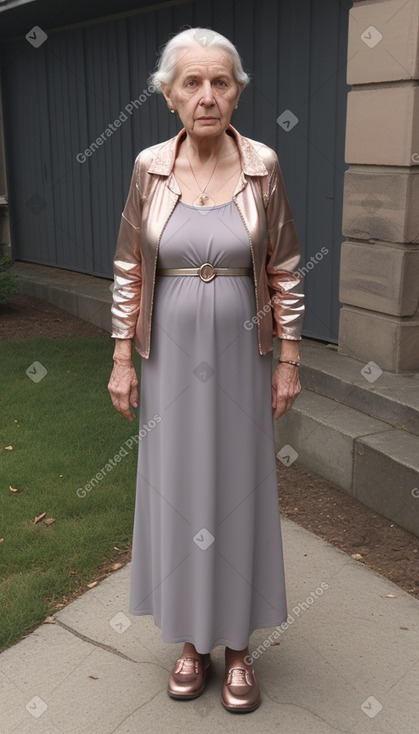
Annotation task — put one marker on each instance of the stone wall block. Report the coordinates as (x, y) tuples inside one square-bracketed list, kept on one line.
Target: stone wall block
[(383, 125), (391, 343), (380, 277), (381, 204), (383, 41)]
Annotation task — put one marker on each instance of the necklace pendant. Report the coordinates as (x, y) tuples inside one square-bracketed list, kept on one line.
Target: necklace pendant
[(203, 198)]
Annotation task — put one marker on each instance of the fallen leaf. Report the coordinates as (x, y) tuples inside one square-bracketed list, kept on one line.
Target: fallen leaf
[(390, 596), (90, 586), (59, 605), (49, 521), (94, 677), (1, 540), (275, 643), (39, 517), (404, 628), (13, 489), (357, 556), (49, 620), (8, 448), (116, 566)]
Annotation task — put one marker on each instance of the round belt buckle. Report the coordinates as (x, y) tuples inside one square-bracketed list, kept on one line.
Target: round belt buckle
[(206, 272)]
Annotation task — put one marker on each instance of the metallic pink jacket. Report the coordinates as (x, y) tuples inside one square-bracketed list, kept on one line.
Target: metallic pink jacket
[(262, 202)]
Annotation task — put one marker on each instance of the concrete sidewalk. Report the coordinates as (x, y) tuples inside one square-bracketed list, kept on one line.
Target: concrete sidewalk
[(348, 662)]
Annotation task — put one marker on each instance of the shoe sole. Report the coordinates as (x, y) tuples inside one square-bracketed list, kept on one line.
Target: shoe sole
[(242, 709)]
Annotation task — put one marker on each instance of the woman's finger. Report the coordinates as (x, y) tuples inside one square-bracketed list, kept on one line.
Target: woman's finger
[(273, 391), (134, 396)]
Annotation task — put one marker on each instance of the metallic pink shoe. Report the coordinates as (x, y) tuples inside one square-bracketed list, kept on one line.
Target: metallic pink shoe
[(189, 676), (240, 690)]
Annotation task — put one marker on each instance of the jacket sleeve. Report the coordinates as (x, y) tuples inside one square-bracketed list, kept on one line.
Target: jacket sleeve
[(283, 256), (127, 264)]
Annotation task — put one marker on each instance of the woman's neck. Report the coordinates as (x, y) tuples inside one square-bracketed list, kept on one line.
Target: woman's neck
[(205, 149)]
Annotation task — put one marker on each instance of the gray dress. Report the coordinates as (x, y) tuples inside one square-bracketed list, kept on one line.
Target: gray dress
[(207, 557)]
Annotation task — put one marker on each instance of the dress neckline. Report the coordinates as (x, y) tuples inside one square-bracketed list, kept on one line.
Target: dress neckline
[(212, 206)]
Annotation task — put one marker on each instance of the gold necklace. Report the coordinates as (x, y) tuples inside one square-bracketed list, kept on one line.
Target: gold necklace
[(203, 196)]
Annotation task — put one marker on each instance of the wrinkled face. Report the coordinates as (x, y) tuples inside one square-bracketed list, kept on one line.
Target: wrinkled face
[(203, 91)]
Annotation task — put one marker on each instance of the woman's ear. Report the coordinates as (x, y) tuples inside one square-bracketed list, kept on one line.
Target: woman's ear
[(241, 87), (166, 93)]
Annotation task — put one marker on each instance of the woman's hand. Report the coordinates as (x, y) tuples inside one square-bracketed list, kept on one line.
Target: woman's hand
[(123, 387), (285, 388)]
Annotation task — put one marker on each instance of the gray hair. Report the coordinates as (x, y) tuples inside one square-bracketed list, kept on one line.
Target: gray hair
[(189, 38)]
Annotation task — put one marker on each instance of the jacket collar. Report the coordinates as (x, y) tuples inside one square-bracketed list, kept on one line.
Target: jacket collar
[(252, 163)]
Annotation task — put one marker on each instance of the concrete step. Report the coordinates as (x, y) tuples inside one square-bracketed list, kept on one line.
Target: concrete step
[(85, 296), (372, 461), (392, 398)]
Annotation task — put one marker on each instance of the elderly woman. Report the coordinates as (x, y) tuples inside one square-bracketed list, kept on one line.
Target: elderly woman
[(204, 278)]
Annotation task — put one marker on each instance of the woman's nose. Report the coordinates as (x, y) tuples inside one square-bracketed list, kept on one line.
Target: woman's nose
[(207, 96)]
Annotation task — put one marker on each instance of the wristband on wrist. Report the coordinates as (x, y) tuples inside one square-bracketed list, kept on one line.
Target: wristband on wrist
[(289, 361)]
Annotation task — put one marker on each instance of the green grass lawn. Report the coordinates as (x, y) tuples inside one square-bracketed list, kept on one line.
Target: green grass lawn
[(63, 430)]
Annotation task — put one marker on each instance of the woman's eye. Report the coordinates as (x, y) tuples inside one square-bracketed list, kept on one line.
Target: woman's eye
[(219, 83)]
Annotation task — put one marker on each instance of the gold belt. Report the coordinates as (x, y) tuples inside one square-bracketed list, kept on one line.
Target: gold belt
[(206, 271)]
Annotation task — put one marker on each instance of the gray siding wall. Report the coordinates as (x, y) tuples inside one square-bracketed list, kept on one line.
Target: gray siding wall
[(58, 98)]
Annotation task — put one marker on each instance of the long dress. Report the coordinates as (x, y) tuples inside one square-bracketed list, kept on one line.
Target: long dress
[(207, 559)]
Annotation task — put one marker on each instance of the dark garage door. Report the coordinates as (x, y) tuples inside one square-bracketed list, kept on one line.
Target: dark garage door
[(60, 96)]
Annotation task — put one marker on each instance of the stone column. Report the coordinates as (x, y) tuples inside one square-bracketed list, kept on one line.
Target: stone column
[(379, 278)]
